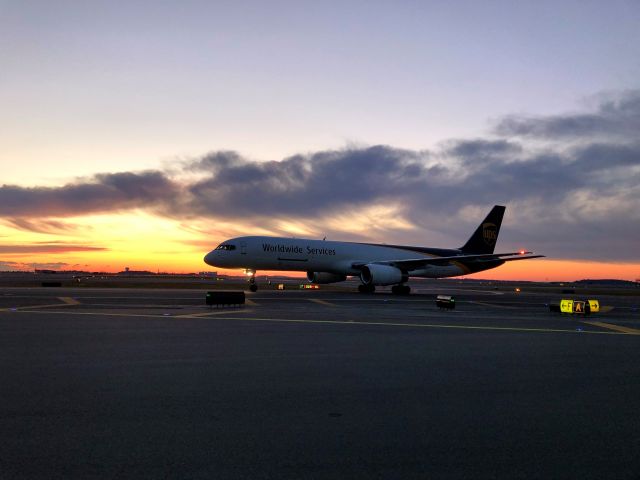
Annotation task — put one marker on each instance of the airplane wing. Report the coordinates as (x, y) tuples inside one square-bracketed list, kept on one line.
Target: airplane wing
[(417, 263)]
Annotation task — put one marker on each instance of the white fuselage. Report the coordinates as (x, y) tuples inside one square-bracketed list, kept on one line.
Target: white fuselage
[(304, 255)]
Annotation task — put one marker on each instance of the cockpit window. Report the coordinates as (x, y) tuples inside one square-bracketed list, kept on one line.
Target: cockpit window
[(226, 246)]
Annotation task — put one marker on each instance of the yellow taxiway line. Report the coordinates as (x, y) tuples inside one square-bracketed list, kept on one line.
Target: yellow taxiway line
[(617, 328), (348, 322), (322, 302), (69, 300)]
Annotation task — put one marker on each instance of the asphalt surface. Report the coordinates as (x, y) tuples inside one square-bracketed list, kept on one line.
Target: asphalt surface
[(125, 383)]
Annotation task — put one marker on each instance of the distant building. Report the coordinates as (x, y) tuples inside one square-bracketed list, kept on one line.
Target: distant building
[(211, 275), (127, 271)]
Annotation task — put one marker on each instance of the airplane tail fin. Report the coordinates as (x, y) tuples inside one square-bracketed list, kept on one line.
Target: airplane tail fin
[(485, 237)]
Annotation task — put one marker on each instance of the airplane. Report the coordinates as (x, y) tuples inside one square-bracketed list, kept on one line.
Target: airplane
[(328, 261)]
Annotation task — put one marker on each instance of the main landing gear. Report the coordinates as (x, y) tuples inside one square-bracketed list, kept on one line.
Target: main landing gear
[(401, 289), (396, 289)]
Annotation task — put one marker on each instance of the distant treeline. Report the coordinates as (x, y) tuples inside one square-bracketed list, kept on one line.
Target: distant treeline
[(608, 282)]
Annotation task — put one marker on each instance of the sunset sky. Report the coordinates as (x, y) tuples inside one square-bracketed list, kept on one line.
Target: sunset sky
[(141, 134)]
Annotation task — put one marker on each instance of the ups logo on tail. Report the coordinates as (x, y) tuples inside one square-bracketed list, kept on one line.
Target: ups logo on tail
[(489, 233)]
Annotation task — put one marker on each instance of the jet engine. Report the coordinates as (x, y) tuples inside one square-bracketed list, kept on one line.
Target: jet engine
[(374, 274), (325, 277)]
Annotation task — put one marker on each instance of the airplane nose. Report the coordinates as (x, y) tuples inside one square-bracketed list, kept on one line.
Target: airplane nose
[(209, 257)]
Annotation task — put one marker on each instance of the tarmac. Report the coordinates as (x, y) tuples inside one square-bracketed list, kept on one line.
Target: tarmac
[(152, 383)]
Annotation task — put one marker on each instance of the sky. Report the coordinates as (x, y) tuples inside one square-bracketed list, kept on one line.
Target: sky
[(142, 134)]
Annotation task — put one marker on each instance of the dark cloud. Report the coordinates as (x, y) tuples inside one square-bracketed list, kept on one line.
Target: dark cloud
[(215, 161), (306, 185), (619, 117), (42, 225), (481, 152), (102, 193), (48, 248), (574, 200)]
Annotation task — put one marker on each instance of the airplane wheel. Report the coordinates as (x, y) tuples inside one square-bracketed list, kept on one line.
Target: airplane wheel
[(401, 290), (253, 287)]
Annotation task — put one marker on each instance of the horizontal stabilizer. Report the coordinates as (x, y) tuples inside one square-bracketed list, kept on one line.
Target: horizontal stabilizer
[(523, 258)]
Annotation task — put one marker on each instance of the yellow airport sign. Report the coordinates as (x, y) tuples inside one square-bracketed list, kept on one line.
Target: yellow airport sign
[(579, 306), (566, 306)]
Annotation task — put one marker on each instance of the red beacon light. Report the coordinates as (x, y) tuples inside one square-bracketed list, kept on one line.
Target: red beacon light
[(522, 252)]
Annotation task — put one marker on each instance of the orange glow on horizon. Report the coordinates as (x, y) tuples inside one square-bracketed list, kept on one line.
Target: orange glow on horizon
[(551, 270), (141, 241)]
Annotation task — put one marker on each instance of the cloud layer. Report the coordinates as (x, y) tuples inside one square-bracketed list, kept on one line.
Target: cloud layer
[(615, 118), (571, 182), (49, 248), (102, 193)]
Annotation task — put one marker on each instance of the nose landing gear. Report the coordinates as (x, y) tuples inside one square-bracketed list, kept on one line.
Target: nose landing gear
[(252, 280)]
